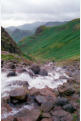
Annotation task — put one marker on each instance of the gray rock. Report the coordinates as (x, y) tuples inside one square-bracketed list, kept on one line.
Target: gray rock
[(61, 115), (43, 72), (35, 68), (11, 74), (61, 101), (18, 95), (69, 108), (46, 107), (40, 99), (28, 115)]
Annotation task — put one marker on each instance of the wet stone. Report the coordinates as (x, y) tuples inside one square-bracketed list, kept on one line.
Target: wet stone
[(47, 119), (40, 99), (10, 74), (43, 72), (18, 95), (46, 107), (66, 91), (69, 108), (28, 115), (10, 65), (61, 115), (35, 68), (61, 101), (46, 115)]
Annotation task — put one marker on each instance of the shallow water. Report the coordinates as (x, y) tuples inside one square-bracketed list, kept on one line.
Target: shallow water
[(52, 80)]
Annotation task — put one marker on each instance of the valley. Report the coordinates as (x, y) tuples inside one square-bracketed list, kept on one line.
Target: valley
[(41, 74), (54, 43)]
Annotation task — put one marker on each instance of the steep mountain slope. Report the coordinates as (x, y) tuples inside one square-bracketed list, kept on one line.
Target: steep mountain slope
[(7, 43), (18, 34), (54, 43)]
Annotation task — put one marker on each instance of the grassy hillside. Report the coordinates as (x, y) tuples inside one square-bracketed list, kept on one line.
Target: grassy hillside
[(54, 43)]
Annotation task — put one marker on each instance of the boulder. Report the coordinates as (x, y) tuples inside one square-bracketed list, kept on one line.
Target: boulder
[(48, 106), (12, 66), (35, 68), (61, 101), (44, 92), (18, 95), (47, 119), (43, 72), (28, 115), (61, 115), (10, 74), (40, 99), (69, 108), (46, 115), (67, 90)]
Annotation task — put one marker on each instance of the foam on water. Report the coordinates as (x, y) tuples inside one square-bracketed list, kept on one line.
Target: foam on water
[(52, 81), (39, 82)]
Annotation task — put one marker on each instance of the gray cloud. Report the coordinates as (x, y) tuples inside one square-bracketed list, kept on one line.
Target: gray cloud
[(38, 10)]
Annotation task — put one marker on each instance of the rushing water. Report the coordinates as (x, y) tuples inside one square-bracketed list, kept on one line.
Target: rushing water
[(52, 81)]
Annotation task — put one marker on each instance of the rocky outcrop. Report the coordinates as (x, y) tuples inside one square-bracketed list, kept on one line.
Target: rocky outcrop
[(7, 43)]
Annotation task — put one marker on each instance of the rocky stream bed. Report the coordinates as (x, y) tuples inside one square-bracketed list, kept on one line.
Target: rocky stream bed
[(40, 93)]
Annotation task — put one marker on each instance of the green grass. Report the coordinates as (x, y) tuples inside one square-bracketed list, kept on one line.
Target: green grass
[(9, 57), (54, 43), (75, 117)]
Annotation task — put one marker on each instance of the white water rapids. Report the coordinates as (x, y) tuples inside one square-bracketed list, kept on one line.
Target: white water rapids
[(52, 81)]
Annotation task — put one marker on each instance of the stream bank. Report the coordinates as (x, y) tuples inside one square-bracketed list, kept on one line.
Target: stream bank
[(52, 95)]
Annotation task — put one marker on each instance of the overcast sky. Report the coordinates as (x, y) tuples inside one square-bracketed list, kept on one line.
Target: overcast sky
[(18, 12)]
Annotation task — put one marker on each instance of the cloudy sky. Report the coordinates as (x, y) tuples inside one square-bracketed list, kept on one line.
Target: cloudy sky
[(18, 12)]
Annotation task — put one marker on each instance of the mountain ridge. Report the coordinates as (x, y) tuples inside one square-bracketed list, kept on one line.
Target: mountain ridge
[(54, 42)]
